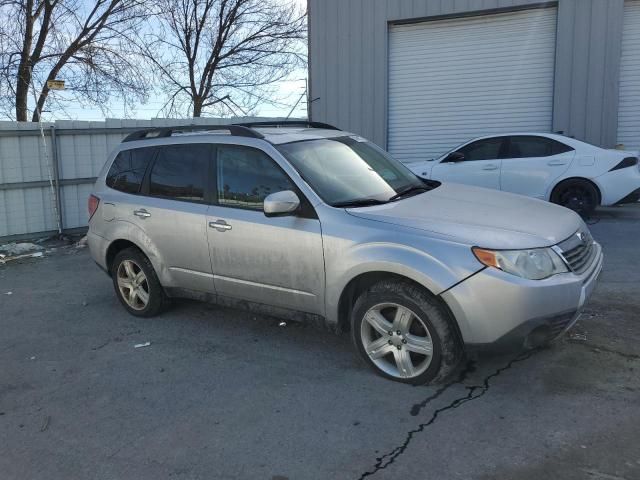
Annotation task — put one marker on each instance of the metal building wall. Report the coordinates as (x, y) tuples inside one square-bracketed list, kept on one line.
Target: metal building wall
[(348, 60), (26, 201)]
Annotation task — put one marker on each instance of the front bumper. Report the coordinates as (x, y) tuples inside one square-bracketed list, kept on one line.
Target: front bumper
[(497, 310)]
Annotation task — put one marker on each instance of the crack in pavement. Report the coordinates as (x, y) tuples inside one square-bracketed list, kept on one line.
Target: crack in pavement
[(102, 345), (628, 356), (605, 476), (473, 393), (415, 410)]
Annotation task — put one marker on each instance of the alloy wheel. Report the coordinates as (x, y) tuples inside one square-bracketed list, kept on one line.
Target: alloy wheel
[(577, 199), (396, 340), (133, 284)]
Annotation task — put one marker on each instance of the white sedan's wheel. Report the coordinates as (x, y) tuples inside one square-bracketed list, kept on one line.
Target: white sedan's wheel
[(576, 194)]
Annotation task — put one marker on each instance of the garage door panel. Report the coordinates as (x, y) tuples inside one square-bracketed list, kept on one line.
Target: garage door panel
[(451, 80), (490, 81), (629, 104), (470, 99)]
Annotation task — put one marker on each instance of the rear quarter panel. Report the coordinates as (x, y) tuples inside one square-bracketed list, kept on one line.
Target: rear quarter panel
[(589, 165)]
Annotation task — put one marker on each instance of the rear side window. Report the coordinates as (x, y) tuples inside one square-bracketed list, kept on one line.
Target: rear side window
[(246, 176), (180, 172), (488, 149), (529, 147), (559, 147), (128, 168)]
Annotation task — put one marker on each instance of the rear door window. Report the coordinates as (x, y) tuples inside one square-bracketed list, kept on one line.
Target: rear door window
[(530, 147), (128, 169), (180, 172)]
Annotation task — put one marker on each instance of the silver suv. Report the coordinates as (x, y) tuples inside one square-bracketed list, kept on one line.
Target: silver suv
[(311, 223)]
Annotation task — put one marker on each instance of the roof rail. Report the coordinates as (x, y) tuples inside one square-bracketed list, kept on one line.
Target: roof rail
[(289, 123), (164, 132)]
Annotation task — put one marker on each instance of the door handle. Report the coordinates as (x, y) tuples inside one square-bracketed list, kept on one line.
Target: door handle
[(490, 167), (556, 163), (142, 213), (220, 225)]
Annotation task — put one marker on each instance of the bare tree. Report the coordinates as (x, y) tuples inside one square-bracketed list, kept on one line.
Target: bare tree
[(224, 55), (86, 42)]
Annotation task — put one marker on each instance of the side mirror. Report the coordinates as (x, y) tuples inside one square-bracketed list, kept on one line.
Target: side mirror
[(281, 203), (454, 157)]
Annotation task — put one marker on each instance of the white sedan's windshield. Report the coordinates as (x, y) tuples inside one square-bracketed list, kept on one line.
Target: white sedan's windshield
[(348, 170)]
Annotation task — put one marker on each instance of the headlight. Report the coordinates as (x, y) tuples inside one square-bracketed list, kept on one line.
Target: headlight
[(535, 264)]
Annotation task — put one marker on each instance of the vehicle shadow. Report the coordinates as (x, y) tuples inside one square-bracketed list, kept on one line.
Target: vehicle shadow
[(629, 212)]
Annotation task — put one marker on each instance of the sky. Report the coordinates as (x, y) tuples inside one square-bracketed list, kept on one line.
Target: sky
[(288, 92)]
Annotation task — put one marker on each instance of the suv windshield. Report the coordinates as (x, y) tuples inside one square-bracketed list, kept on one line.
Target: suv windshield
[(349, 171)]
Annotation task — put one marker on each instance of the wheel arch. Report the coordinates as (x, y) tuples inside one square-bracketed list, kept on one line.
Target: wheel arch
[(559, 183), (364, 281), (117, 246), (125, 234)]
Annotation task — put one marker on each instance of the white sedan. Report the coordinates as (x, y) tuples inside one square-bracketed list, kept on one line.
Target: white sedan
[(550, 167)]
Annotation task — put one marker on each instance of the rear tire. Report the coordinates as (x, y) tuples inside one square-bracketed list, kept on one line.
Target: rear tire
[(577, 194), (405, 334), (137, 285)]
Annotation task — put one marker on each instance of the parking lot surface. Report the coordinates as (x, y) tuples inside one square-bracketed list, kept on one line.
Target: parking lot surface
[(223, 394)]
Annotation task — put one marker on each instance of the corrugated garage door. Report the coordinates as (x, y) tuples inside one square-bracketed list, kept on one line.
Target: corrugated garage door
[(452, 80), (629, 111)]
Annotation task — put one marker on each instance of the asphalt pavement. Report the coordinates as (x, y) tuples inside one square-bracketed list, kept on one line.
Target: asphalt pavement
[(223, 394)]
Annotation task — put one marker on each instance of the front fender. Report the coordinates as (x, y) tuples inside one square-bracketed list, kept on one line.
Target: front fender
[(437, 268)]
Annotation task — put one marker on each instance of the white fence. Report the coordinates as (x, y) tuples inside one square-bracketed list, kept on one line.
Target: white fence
[(76, 152)]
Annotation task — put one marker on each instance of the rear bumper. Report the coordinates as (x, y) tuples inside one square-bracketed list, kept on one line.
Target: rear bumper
[(499, 311), (98, 248), (616, 186), (631, 198)]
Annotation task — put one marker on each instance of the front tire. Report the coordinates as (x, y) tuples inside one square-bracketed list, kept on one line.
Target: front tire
[(136, 284), (577, 194), (405, 334)]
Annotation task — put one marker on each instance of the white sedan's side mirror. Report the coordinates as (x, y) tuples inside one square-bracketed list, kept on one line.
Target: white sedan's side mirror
[(281, 203)]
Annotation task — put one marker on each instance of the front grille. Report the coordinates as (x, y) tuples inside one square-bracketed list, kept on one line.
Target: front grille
[(578, 250)]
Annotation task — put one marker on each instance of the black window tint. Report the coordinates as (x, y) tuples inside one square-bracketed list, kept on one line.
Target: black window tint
[(528, 147), (127, 171), (180, 172), (488, 149), (246, 176), (559, 147)]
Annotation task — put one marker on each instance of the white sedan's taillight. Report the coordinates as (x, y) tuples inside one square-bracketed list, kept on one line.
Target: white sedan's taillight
[(626, 163)]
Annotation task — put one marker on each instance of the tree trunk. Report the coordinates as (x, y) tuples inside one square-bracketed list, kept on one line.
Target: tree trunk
[(197, 108), (24, 67), (40, 105), (22, 95), (42, 98)]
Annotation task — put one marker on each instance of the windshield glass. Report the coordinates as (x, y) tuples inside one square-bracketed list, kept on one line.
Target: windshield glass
[(350, 170)]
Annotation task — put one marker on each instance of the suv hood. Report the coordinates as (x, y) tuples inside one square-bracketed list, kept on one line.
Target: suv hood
[(479, 216)]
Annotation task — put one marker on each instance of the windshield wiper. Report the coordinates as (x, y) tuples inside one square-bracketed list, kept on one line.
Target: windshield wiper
[(406, 191), (360, 202)]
